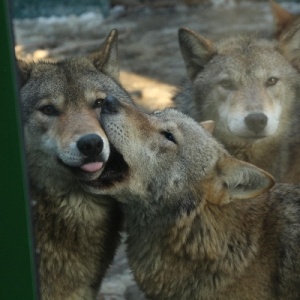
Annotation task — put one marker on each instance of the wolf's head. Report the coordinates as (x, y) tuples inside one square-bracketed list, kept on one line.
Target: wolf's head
[(172, 160), (61, 105), (244, 83)]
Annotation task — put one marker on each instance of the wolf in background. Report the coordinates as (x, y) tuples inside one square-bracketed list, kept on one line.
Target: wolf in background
[(284, 20), (286, 27), (200, 223), (250, 89), (76, 233)]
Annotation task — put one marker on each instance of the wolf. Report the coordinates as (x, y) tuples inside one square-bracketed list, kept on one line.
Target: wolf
[(284, 20), (249, 88), (76, 233), (200, 223), (286, 28)]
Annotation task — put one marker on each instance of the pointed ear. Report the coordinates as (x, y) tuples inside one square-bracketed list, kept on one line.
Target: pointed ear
[(196, 51), (244, 180), (106, 59), (289, 45), (24, 71), (208, 125), (282, 18)]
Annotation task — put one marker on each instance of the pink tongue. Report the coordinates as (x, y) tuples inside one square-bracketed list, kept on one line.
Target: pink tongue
[(92, 167)]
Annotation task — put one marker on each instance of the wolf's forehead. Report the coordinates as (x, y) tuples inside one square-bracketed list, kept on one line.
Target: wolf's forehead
[(65, 79), (184, 123), (244, 43), (170, 115), (256, 64)]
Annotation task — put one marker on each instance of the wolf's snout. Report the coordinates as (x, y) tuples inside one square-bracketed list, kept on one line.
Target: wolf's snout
[(90, 145), (110, 105), (256, 122)]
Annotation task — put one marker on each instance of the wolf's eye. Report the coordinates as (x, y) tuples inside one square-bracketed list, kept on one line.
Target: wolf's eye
[(271, 81), (169, 136), (49, 110), (227, 84), (98, 103)]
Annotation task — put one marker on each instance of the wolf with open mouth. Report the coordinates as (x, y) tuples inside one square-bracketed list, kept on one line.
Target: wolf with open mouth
[(201, 224)]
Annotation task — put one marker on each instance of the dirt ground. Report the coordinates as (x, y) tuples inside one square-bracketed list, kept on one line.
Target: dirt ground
[(151, 63)]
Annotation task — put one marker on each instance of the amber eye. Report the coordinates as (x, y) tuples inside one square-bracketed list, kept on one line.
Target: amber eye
[(98, 103), (49, 110), (271, 81)]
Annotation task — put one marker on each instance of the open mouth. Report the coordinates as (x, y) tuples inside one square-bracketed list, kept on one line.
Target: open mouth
[(115, 170)]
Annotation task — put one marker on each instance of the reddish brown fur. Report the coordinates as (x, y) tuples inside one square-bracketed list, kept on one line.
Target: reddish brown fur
[(201, 225)]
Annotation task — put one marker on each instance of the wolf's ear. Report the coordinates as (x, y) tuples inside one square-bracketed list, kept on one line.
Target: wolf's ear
[(243, 180), (289, 45), (282, 18), (208, 125), (106, 59), (196, 51), (24, 70)]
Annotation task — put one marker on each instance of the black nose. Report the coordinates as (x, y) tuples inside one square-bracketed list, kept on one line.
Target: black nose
[(256, 122), (90, 145), (110, 105)]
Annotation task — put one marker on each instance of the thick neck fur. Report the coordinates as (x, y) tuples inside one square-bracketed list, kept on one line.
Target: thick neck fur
[(209, 242), (53, 183), (76, 237), (255, 152)]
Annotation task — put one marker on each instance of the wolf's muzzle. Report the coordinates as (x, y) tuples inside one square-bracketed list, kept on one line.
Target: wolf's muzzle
[(256, 122), (91, 145)]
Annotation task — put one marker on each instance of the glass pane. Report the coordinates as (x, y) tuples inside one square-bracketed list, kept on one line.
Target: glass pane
[(18, 278)]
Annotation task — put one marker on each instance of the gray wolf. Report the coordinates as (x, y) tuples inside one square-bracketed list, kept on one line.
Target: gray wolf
[(200, 223), (249, 88), (76, 233), (284, 20), (286, 27)]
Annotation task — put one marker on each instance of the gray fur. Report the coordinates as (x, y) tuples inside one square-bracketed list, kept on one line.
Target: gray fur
[(201, 225), (76, 233), (240, 76)]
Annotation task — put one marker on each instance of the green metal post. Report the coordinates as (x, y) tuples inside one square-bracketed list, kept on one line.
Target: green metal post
[(17, 267)]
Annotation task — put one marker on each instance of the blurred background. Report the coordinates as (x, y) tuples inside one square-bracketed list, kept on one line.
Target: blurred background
[(150, 59), (148, 46)]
